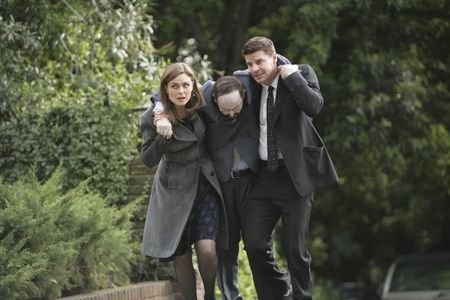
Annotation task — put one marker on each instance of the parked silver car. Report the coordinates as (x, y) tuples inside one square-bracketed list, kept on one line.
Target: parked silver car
[(418, 277)]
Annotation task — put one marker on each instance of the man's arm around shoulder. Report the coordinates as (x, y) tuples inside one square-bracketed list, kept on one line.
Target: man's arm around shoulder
[(304, 87)]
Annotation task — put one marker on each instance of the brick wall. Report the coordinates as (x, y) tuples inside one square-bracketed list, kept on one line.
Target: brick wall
[(151, 290), (154, 290)]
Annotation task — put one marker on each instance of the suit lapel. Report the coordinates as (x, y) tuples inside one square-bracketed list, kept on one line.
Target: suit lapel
[(199, 127), (256, 101), (282, 94), (182, 133)]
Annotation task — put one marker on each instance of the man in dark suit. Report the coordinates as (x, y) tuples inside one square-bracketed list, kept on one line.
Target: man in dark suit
[(293, 164), (233, 142), (232, 138)]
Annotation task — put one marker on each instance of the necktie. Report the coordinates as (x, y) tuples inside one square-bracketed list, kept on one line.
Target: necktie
[(272, 150)]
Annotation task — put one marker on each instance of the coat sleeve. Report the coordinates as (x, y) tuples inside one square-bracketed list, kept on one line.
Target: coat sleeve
[(154, 145), (304, 87)]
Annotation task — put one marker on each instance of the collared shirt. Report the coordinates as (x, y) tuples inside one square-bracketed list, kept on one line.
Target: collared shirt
[(241, 164), (263, 119)]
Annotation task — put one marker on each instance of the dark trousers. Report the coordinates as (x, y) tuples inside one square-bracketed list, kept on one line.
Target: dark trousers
[(234, 193), (273, 196)]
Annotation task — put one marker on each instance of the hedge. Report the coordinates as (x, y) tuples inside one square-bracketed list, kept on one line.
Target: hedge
[(94, 142), (54, 243)]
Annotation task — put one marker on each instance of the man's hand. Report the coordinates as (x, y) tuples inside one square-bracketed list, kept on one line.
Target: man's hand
[(164, 127), (286, 70)]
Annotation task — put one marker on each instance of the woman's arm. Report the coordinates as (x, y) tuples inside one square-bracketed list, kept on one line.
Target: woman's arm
[(154, 145)]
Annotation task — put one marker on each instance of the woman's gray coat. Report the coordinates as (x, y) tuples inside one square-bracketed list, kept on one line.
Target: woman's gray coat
[(175, 183)]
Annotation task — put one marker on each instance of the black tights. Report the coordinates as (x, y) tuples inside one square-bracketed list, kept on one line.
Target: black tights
[(207, 264)]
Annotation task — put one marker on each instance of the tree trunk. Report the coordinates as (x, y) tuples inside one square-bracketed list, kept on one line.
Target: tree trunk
[(234, 25)]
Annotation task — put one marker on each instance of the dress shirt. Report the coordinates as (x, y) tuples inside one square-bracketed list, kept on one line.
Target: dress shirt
[(263, 119)]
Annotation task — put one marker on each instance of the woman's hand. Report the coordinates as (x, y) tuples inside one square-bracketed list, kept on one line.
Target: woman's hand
[(163, 126)]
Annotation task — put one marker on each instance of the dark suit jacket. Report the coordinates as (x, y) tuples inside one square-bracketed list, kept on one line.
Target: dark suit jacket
[(298, 100), (223, 135)]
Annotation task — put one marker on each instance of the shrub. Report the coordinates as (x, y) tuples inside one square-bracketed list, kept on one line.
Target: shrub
[(90, 141), (54, 243)]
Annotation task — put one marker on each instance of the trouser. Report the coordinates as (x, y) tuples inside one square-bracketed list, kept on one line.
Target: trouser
[(273, 196), (234, 193)]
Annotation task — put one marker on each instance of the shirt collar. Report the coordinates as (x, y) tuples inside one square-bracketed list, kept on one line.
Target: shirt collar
[(274, 84)]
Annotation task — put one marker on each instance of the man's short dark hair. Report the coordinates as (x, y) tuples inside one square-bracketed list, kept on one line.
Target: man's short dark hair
[(258, 43), (227, 84)]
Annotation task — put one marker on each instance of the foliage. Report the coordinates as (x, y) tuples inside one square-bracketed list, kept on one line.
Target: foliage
[(246, 285), (317, 25), (70, 74), (97, 53), (189, 54), (53, 242), (325, 290), (90, 142), (383, 93), (177, 26), (383, 71)]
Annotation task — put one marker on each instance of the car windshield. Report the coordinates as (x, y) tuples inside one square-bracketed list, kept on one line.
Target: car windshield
[(422, 274)]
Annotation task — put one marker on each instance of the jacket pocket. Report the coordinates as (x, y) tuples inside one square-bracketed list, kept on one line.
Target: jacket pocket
[(170, 175), (315, 159)]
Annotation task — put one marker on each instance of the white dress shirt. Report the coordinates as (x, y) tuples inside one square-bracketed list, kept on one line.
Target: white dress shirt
[(263, 119)]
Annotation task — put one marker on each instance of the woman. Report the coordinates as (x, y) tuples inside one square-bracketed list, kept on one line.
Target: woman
[(185, 203)]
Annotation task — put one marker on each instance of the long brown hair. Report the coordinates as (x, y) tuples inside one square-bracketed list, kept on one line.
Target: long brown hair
[(195, 102)]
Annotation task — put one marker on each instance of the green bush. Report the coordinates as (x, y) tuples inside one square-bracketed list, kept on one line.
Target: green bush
[(89, 141), (54, 243)]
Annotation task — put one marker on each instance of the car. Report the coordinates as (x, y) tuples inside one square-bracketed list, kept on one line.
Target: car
[(418, 277)]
